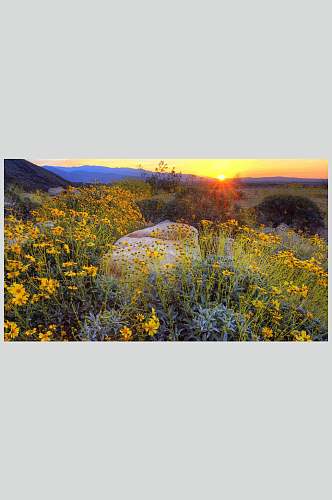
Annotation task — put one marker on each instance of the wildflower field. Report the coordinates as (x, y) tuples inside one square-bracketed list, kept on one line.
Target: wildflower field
[(270, 287)]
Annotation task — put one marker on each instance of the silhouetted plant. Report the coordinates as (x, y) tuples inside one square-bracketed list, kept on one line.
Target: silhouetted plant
[(164, 178)]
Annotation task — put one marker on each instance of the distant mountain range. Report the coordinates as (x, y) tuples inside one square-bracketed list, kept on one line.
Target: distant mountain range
[(96, 173), (92, 173), (29, 176)]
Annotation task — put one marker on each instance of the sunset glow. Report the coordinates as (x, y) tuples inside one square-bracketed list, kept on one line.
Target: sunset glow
[(316, 168), (221, 177)]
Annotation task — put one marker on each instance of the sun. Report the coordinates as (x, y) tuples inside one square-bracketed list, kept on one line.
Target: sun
[(221, 177)]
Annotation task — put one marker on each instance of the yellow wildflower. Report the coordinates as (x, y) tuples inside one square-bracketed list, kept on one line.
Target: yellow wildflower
[(52, 251), (151, 326), (49, 285), (11, 330), (30, 257), (126, 333), (267, 332), (20, 296), (31, 332), (58, 230), (44, 337), (70, 274), (16, 248), (258, 304), (13, 274), (227, 272), (301, 336), (90, 270)]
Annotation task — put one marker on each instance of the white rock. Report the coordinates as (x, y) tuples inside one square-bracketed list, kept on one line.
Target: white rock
[(282, 228), (155, 248), (48, 224), (55, 191)]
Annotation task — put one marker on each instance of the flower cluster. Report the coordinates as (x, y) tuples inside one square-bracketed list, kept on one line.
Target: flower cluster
[(55, 254)]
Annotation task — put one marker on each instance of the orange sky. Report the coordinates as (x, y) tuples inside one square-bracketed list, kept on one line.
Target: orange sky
[(211, 167)]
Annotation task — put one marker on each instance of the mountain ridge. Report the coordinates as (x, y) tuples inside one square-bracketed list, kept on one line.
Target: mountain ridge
[(92, 173), (30, 176)]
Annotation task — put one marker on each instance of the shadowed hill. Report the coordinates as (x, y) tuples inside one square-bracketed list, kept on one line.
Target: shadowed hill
[(30, 177)]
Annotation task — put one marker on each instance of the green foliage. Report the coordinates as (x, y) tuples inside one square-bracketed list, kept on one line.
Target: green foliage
[(245, 216), (193, 202), (295, 211), (214, 300), (105, 324), (138, 187), (19, 202), (201, 201)]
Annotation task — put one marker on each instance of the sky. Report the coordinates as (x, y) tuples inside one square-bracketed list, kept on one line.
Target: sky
[(210, 167)]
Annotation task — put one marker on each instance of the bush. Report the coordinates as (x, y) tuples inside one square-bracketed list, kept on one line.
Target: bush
[(138, 187), (195, 203), (164, 179), (19, 202), (153, 209), (192, 203), (295, 211)]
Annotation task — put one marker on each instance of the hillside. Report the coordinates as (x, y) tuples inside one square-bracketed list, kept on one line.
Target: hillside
[(29, 176)]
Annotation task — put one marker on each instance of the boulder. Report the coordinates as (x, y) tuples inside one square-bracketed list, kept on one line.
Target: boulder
[(55, 191), (48, 224), (157, 248), (282, 228), (268, 230)]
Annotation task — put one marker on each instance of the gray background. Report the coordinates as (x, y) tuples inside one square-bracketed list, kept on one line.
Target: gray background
[(165, 79)]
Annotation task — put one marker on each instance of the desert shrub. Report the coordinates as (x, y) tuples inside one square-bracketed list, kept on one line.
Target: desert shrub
[(164, 178), (138, 187), (218, 323), (193, 204), (245, 216), (153, 209), (199, 302), (295, 211), (105, 325), (20, 203)]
